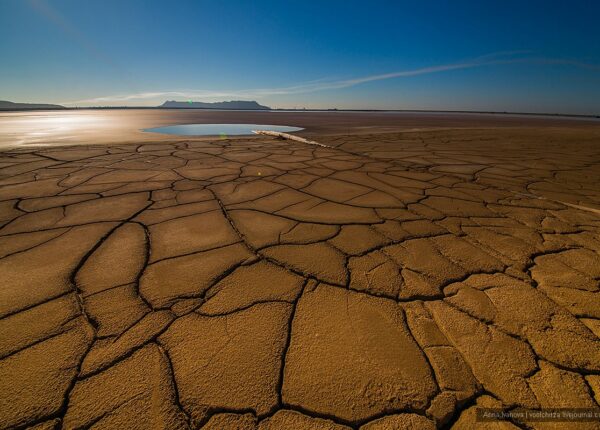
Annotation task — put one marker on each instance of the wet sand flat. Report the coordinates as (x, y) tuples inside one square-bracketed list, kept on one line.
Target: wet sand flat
[(411, 270)]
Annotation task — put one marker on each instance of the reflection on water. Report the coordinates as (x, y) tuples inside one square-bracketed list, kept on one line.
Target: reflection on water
[(219, 129)]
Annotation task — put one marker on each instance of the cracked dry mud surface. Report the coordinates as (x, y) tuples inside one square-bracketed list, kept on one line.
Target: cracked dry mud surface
[(388, 281)]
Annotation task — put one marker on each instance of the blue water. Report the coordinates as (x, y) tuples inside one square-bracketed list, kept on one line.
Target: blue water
[(219, 129)]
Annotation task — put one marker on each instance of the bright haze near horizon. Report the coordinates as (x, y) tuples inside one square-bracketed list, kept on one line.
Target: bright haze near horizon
[(535, 56)]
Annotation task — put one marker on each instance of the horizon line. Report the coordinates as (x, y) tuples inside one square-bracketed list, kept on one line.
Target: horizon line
[(333, 110)]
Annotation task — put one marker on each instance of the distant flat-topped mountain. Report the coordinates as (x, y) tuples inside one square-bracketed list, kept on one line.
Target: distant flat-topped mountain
[(234, 104), (6, 105)]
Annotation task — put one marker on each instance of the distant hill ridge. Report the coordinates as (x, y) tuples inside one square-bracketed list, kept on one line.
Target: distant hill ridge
[(6, 105), (234, 104)]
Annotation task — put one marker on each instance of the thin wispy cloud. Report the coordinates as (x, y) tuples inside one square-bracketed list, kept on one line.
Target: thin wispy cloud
[(497, 58)]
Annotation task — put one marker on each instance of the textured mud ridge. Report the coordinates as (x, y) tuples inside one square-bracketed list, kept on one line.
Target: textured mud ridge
[(387, 281)]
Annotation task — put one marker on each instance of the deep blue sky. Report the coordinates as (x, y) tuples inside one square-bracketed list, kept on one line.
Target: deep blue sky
[(541, 56)]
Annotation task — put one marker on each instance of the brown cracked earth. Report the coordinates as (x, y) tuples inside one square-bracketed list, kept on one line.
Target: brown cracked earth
[(388, 281)]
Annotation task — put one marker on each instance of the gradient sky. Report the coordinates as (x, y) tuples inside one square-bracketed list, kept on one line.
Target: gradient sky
[(527, 56)]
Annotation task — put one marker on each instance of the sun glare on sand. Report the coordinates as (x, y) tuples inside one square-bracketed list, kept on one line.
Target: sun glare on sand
[(50, 128)]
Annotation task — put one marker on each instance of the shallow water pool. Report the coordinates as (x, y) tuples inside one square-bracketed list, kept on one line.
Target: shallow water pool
[(219, 129)]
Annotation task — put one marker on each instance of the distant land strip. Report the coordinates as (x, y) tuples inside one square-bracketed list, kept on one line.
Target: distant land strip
[(253, 105)]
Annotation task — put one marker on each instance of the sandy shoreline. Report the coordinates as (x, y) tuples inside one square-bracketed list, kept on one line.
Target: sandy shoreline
[(55, 128), (394, 278)]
